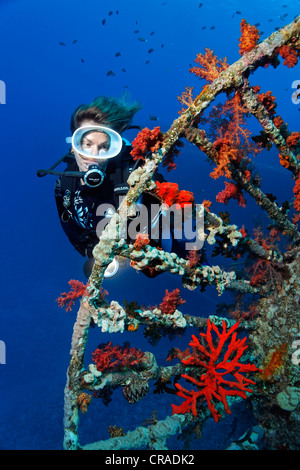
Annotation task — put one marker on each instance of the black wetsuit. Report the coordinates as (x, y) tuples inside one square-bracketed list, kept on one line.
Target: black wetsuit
[(77, 204)]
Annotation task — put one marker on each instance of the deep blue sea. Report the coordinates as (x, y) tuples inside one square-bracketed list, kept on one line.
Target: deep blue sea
[(56, 55)]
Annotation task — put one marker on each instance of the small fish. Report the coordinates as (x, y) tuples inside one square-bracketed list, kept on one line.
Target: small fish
[(284, 6), (270, 20), (123, 70), (117, 12), (261, 33), (147, 62), (110, 73), (82, 60), (136, 31), (150, 50), (212, 27), (257, 24), (200, 5), (203, 27), (162, 45), (74, 41), (153, 118), (285, 15), (62, 43), (277, 28), (117, 54), (238, 12), (103, 21), (110, 13), (153, 32), (142, 39)]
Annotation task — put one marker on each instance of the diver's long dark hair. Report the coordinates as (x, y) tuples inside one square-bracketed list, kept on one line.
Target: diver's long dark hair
[(116, 113)]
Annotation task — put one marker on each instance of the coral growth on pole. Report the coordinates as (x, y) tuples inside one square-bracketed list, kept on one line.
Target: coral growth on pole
[(261, 268)]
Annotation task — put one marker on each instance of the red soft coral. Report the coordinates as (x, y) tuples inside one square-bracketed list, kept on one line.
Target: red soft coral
[(296, 191), (222, 372), (231, 191), (146, 141), (171, 301), (169, 193), (109, 357), (67, 299)]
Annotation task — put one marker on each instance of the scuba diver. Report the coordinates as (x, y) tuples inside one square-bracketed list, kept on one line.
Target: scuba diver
[(98, 166)]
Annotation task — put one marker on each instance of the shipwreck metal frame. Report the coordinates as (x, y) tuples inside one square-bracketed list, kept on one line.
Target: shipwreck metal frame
[(233, 78)]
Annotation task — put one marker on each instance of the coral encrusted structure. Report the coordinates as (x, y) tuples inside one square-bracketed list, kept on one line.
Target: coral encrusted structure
[(252, 356)]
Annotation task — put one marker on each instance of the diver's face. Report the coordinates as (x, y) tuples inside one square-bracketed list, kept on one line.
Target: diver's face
[(92, 142)]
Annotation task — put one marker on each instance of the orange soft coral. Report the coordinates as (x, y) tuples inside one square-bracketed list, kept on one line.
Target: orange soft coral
[(249, 37), (284, 161), (289, 54), (83, 401), (226, 154), (275, 362), (233, 143), (210, 66), (142, 239), (278, 121), (186, 98), (193, 258), (293, 139), (268, 100)]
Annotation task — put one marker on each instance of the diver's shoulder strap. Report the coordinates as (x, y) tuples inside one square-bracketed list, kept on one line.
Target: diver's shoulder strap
[(120, 169), (67, 182)]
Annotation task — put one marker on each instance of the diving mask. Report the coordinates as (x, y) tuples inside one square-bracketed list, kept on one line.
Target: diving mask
[(96, 142)]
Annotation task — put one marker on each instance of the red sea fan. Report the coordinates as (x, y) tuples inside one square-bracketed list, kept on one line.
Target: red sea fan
[(222, 372)]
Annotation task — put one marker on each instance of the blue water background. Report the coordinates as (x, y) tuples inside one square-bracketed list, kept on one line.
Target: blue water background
[(45, 81)]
